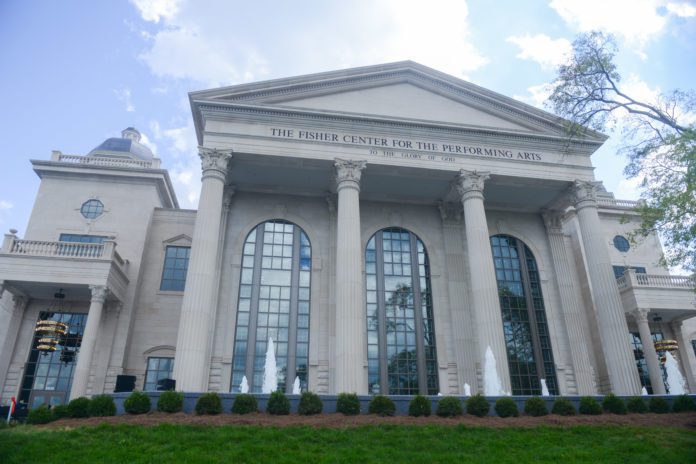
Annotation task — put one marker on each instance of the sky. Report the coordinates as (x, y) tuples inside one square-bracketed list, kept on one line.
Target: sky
[(75, 72)]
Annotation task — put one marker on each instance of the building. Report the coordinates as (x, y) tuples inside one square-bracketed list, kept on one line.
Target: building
[(387, 226)]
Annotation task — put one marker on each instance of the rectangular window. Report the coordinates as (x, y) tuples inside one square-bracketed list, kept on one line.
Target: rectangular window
[(82, 238), (620, 270), (176, 259), (157, 369)]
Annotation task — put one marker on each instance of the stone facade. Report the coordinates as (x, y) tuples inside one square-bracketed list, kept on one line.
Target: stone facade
[(341, 156)]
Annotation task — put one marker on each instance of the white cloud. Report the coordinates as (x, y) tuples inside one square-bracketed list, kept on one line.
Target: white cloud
[(145, 140), (4, 207), (537, 95), (628, 189), (124, 96), (683, 10), (182, 160), (154, 10), (549, 53)]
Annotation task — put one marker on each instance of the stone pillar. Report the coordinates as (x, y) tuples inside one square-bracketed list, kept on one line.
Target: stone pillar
[(570, 307), (684, 352), (484, 286), (12, 326), (649, 353), (194, 344), (89, 339), (613, 330), (351, 344)]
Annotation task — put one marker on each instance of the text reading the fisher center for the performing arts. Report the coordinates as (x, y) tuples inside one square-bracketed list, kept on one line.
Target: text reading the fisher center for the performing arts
[(391, 147)]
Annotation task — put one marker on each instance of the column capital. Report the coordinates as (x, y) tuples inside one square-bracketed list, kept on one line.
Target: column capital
[(214, 162), (227, 195), (583, 193), (553, 220), (641, 315), (99, 293), (349, 172), (470, 183)]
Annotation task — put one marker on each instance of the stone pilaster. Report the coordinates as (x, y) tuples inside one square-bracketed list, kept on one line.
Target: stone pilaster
[(649, 353), (193, 346), (685, 351), (351, 345), (613, 330), (89, 339), (572, 315), (13, 322), (484, 287)]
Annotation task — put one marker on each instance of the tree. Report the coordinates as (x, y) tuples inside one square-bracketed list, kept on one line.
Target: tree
[(659, 140)]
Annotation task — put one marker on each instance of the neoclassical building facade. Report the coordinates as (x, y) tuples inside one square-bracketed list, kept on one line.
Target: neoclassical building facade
[(388, 227)]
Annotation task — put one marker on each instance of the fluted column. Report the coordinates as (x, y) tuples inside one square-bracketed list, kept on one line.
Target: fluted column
[(351, 345), (193, 345), (649, 353), (570, 307), (484, 287), (613, 329), (89, 339), (684, 352)]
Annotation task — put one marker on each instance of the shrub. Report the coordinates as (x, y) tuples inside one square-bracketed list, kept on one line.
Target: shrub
[(382, 406), (209, 403), (477, 405), (563, 407), (278, 404), (101, 406), (40, 415), (137, 403), (419, 406), (506, 407), (658, 405), (348, 404), (170, 401), (449, 406), (636, 404), (60, 411), (589, 406), (683, 403), (614, 404), (79, 407), (535, 407), (310, 404), (245, 404)]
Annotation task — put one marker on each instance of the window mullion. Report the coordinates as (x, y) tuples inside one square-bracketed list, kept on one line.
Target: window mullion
[(531, 312), (381, 315), (418, 319), (292, 329)]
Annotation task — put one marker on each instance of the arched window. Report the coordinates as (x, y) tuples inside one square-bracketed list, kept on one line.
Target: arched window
[(400, 334), (273, 303), (524, 318)]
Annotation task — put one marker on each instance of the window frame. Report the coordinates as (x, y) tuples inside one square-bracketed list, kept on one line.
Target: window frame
[(620, 242), (88, 210), (165, 268), (148, 370)]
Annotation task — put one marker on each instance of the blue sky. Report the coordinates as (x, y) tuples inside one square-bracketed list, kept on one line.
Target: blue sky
[(73, 73)]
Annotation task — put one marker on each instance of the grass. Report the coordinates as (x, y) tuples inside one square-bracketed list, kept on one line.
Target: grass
[(167, 443)]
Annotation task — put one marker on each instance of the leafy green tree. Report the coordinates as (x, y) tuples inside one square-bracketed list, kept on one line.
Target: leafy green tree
[(659, 140)]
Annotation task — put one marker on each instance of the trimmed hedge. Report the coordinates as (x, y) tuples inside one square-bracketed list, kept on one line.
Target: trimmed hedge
[(477, 405), (563, 407), (506, 407), (419, 406), (79, 407), (40, 415), (535, 407), (683, 403), (278, 404), (658, 405), (245, 403), (589, 406), (310, 404), (382, 406), (170, 401), (60, 411), (209, 403), (614, 404), (636, 404), (101, 406), (137, 403), (449, 406), (348, 404)]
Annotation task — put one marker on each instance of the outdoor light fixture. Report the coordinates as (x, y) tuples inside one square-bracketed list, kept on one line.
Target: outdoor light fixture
[(51, 332)]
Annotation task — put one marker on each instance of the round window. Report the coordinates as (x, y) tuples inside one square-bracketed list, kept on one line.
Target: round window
[(621, 243), (92, 209)]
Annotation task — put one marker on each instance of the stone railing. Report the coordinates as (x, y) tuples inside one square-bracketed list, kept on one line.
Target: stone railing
[(634, 279), (618, 204), (105, 161), (107, 250)]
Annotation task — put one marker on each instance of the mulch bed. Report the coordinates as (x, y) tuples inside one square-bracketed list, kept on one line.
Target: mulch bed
[(681, 420)]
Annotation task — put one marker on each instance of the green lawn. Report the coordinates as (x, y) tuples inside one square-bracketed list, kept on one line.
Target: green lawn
[(387, 443)]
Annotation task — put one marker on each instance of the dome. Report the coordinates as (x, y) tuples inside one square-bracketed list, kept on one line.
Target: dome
[(128, 145)]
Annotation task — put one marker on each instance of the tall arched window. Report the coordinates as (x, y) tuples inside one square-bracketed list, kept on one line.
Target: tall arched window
[(524, 318), (401, 354), (273, 303)]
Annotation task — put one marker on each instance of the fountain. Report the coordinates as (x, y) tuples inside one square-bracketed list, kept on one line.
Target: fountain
[(467, 389), (270, 370), (675, 379), (544, 388), (644, 391), (296, 386), (244, 386), (492, 384)]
